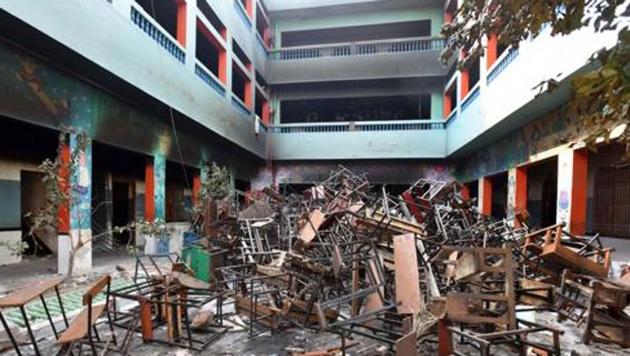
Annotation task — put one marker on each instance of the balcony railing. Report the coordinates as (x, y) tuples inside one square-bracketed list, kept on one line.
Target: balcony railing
[(209, 79), (405, 125), (240, 106), (407, 45), (146, 24), (502, 64)]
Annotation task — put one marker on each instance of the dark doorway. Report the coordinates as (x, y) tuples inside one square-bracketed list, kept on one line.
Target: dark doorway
[(499, 195), (32, 200), (473, 189), (122, 200), (542, 192)]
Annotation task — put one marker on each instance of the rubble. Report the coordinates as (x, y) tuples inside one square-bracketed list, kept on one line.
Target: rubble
[(403, 271)]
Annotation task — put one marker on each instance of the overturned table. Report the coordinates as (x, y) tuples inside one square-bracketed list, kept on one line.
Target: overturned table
[(22, 296)]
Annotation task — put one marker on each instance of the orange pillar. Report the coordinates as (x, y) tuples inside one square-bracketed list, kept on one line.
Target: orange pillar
[(517, 191), (149, 191), (63, 212), (447, 104), (485, 196), (265, 112), (222, 65), (491, 50), (248, 94), (579, 192), (181, 22), (464, 81), (572, 190)]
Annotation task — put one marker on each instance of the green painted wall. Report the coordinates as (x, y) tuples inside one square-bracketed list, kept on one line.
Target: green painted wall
[(382, 17)]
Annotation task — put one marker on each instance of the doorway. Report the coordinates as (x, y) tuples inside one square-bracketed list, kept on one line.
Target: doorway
[(32, 200), (122, 211)]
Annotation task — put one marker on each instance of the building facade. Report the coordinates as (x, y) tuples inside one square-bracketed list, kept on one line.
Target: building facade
[(281, 92)]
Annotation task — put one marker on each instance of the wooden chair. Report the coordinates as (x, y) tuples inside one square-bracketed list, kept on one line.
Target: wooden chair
[(82, 329), (598, 304)]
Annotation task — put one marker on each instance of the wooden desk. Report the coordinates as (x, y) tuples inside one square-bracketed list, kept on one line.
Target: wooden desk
[(22, 296)]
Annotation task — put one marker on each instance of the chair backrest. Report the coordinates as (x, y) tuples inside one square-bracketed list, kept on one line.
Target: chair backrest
[(96, 288)]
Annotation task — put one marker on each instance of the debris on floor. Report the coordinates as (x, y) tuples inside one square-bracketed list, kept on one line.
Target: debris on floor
[(423, 272)]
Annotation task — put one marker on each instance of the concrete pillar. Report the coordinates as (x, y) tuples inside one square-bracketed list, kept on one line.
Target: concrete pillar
[(155, 189), (517, 191), (572, 190), (154, 203), (75, 218), (485, 196)]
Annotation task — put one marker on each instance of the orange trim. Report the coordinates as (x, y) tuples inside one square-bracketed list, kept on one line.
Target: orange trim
[(491, 50), (63, 212), (578, 192), (181, 22), (149, 191), (486, 196)]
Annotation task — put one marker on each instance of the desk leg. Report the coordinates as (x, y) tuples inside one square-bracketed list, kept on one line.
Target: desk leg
[(30, 331), (52, 325), (6, 327), (145, 321), (63, 311)]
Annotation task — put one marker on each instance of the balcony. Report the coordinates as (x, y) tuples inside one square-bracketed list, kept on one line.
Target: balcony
[(410, 57), (359, 140)]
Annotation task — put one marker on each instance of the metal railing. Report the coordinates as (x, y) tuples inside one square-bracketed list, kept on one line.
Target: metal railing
[(148, 25), (502, 64), (240, 106), (399, 125), (470, 98), (407, 45), (209, 78)]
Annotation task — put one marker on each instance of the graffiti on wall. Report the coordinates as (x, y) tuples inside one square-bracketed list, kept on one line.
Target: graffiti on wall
[(549, 131), (159, 174), (81, 183)]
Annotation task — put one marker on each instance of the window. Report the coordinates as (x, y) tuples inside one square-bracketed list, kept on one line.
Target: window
[(357, 33), (212, 17), (469, 77), (210, 52), (261, 81), (170, 14), (241, 85), (494, 49), (400, 107), (240, 54), (262, 26)]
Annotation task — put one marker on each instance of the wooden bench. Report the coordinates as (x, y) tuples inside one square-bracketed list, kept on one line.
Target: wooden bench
[(82, 329)]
